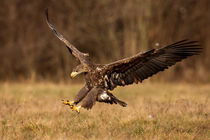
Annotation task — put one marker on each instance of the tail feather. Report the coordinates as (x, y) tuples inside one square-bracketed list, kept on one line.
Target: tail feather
[(123, 104), (115, 100), (107, 97)]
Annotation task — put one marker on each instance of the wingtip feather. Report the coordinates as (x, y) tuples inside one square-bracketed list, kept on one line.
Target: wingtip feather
[(46, 14)]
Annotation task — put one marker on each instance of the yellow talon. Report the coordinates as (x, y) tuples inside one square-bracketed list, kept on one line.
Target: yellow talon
[(76, 108), (69, 103), (72, 105)]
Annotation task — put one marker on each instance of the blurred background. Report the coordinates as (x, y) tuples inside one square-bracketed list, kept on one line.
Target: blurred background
[(107, 29)]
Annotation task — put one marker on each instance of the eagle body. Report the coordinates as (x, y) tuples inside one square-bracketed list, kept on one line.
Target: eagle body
[(102, 78), (94, 78)]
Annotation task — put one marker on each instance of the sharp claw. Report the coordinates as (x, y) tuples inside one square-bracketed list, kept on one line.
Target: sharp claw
[(68, 103), (72, 106), (76, 108)]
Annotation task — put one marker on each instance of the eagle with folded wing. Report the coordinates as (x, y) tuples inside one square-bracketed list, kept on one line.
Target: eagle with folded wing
[(103, 78)]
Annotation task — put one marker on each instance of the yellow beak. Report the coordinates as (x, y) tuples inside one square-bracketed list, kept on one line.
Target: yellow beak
[(73, 74)]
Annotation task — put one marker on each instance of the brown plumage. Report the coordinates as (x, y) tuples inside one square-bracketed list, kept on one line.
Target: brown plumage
[(100, 79)]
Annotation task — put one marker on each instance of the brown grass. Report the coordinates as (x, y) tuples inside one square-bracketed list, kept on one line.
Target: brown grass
[(155, 111)]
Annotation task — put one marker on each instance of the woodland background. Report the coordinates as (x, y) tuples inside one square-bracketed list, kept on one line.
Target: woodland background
[(107, 29)]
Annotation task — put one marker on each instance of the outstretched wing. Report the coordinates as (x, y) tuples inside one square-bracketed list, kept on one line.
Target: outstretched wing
[(73, 50), (141, 66)]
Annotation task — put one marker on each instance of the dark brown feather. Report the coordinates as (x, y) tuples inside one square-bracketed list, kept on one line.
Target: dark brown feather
[(142, 66), (81, 94), (81, 56), (90, 98), (111, 100)]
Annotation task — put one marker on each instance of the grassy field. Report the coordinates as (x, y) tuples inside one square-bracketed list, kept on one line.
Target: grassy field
[(154, 111)]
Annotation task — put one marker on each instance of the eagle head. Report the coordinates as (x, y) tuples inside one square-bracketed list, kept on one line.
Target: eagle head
[(78, 70)]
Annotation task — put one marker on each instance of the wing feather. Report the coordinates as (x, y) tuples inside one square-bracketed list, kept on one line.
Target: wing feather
[(142, 66), (72, 49)]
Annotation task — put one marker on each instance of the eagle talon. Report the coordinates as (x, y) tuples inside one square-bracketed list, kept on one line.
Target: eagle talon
[(76, 108), (72, 105)]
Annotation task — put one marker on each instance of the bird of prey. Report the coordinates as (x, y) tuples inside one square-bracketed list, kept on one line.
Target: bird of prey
[(103, 78)]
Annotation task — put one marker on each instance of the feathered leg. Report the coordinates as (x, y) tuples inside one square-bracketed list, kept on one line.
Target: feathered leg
[(80, 95)]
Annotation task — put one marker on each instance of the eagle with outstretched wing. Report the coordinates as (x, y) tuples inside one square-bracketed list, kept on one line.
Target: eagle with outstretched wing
[(103, 78)]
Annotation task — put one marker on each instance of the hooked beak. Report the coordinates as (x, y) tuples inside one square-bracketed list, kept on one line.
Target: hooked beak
[(73, 74)]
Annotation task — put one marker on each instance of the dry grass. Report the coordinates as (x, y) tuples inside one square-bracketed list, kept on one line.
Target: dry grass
[(155, 111)]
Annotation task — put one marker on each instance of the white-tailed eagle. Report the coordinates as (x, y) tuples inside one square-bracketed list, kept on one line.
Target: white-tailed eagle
[(103, 78)]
